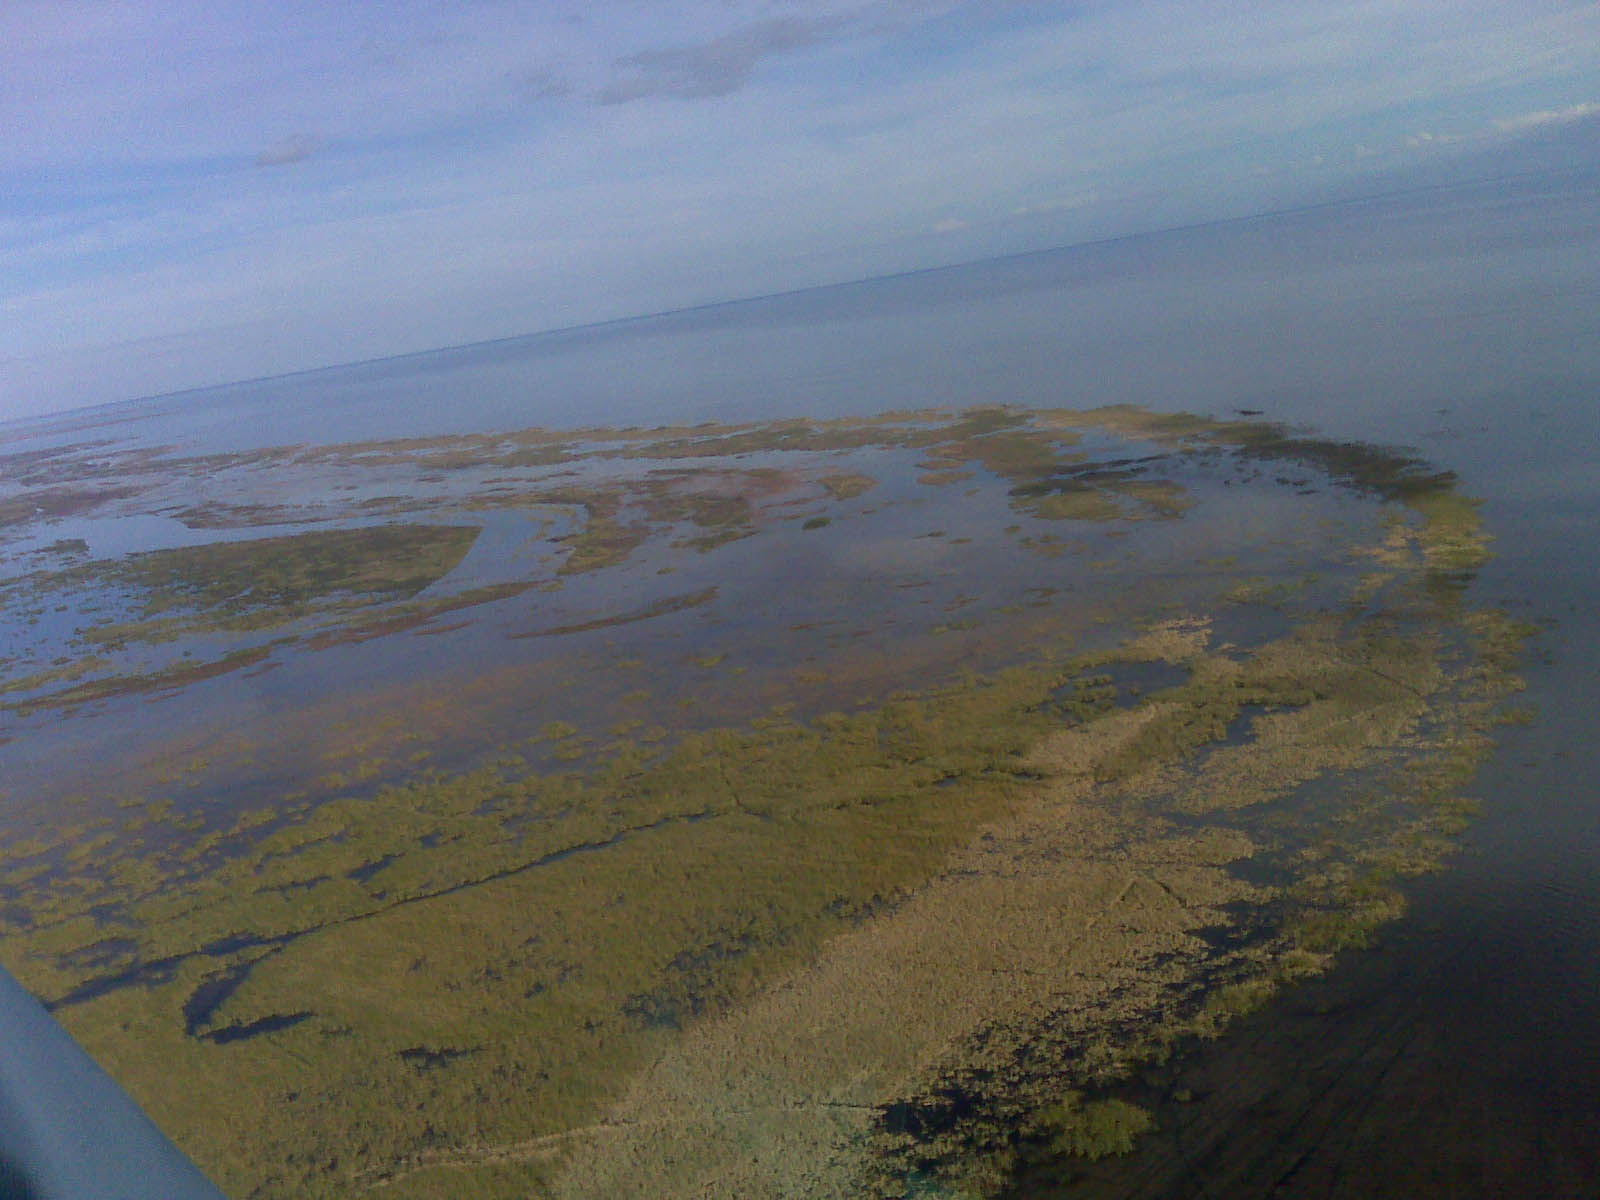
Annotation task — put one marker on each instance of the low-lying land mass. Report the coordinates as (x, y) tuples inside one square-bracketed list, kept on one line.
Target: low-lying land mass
[(831, 808)]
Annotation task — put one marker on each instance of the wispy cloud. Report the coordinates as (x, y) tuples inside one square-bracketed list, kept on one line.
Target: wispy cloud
[(712, 68), (297, 147)]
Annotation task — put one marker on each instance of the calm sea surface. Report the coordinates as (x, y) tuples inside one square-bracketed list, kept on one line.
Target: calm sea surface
[(1462, 1057)]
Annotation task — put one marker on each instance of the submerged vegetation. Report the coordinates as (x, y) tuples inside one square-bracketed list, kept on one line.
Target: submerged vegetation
[(757, 899)]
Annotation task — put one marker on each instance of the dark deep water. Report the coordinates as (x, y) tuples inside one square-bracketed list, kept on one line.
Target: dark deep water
[(1462, 1056)]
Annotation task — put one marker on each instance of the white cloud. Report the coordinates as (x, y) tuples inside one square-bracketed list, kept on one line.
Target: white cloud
[(1547, 116)]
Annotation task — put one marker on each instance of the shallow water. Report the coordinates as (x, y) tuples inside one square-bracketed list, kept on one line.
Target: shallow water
[(923, 574), (1460, 1057)]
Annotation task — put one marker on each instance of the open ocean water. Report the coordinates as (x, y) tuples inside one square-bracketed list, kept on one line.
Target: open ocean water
[(1462, 1055)]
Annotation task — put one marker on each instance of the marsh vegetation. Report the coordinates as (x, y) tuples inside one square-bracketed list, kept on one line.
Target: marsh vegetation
[(728, 810)]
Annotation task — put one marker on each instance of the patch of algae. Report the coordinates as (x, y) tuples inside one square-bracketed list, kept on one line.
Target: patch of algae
[(296, 570), (860, 956), (68, 672), (252, 586), (285, 575), (178, 675), (56, 502)]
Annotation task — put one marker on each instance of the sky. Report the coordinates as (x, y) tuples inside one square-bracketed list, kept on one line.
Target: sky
[(200, 191)]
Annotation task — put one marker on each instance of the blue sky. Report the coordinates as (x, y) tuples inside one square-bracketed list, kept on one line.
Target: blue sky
[(196, 192)]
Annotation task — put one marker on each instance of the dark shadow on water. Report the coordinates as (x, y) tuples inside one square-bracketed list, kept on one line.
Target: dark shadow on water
[(366, 871), (1248, 624), (14, 1182), (1456, 1059), (211, 995), (272, 1024), (427, 1058)]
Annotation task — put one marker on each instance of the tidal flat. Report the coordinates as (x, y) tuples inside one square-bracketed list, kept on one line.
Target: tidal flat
[(823, 808)]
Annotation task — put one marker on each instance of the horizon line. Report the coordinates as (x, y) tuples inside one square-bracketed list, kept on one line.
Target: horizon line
[(731, 301)]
